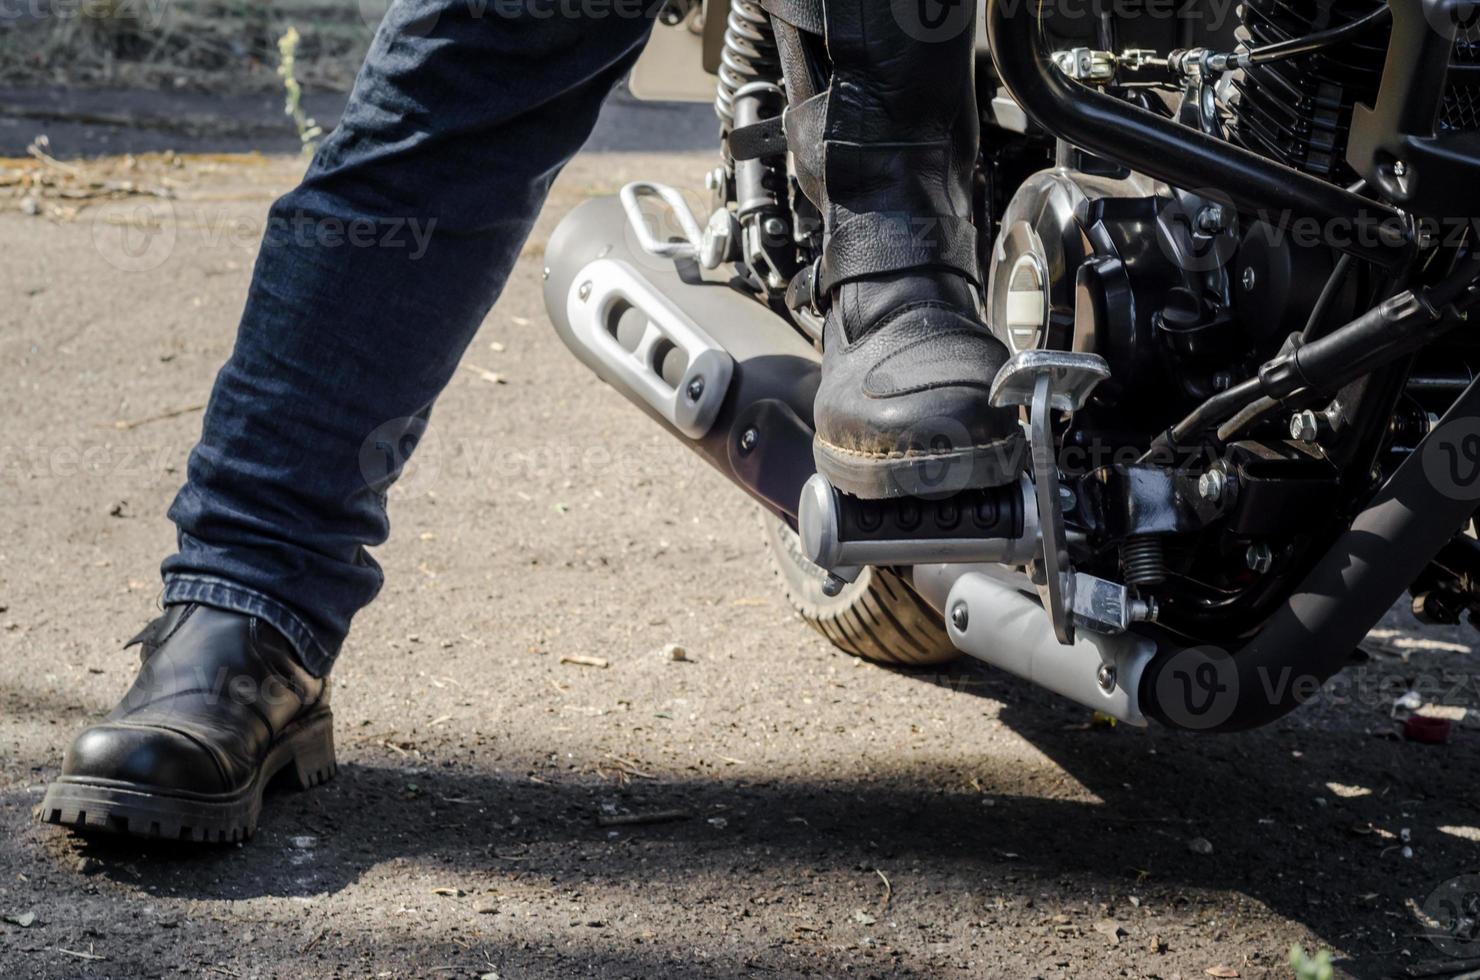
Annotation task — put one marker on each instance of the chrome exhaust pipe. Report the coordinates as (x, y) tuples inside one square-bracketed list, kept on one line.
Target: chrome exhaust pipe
[(992, 613), (717, 368)]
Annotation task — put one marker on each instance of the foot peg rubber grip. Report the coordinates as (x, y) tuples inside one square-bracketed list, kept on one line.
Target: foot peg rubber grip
[(996, 524)]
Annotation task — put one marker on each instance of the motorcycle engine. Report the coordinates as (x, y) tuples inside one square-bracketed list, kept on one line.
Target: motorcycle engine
[(1163, 283), (1168, 284)]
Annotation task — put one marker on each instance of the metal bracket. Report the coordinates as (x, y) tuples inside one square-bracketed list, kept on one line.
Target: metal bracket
[(1044, 381), (598, 295), (631, 197)]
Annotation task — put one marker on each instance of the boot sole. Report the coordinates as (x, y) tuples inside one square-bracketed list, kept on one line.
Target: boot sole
[(880, 476), (304, 753)]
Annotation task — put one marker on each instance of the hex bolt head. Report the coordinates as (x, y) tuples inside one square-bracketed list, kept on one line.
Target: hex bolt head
[(959, 618), (1106, 677), (584, 291), (1211, 219), (1259, 558), (1249, 279), (696, 388), (748, 439), (1309, 425), (1211, 484)]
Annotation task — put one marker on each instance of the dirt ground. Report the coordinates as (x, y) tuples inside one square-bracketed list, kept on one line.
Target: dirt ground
[(842, 819)]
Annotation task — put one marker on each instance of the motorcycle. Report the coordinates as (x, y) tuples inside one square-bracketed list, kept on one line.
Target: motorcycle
[(1225, 258)]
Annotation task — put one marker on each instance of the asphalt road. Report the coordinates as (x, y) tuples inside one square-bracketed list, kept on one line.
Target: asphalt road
[(844, 820)]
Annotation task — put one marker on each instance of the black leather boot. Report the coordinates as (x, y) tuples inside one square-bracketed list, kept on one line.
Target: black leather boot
[(220, 708), (887, 152)]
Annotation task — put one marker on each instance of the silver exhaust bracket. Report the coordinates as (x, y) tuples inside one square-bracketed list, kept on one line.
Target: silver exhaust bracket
[(645, 341), (994, 622)]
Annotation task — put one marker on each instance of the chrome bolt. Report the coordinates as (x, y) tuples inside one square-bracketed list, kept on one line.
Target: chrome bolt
[(1400, 169), (1259, 558), (832, 585), (959, 618), (584, 291), (748, 439), (1305, 426), (696, 388), (1211, 219), (774, 228), (1210, 485), (1105, 677), (1067, 500), (1249, 278)]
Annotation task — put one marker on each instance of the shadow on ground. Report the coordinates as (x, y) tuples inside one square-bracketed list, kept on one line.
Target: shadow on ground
[(1332, 861)]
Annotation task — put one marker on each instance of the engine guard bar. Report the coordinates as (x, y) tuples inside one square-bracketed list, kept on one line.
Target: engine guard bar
[(1412, 517), (1178, 154)]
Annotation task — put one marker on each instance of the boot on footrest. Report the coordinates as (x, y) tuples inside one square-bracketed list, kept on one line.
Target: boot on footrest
[(903, 408)]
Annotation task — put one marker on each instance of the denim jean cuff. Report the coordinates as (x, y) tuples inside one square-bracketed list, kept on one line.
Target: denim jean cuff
[(222, 594)]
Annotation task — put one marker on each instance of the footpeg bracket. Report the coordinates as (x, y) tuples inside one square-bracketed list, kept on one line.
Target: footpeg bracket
[(1046, 381)]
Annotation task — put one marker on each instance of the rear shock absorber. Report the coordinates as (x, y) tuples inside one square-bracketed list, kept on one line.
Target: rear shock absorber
[(758, 231), (749, 55)]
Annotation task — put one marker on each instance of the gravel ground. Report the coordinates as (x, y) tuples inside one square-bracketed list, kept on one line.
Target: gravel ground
[(843, 820)]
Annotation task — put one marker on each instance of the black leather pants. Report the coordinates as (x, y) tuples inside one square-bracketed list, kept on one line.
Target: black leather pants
[(886, 148)]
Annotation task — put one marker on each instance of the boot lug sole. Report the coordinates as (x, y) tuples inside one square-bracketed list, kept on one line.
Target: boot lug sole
[(304, 754), (930, 475)]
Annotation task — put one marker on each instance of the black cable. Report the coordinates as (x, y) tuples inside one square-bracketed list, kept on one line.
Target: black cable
[(1334, 282), (1221, 61), (1310, 43), (1252, 414)]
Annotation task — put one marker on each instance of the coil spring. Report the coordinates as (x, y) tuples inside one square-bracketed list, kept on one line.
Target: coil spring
[(749, 55), (1142, 559)]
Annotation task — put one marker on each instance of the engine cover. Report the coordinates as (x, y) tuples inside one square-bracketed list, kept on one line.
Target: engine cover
[(1120, 267)]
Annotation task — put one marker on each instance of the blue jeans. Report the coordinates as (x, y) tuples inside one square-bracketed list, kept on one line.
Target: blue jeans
[(373, 276)]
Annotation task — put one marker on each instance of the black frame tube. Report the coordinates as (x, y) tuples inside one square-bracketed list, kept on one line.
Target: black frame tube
[(1178, 154)]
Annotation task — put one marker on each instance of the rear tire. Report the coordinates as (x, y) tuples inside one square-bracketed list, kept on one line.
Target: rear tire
[(879, 617)]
